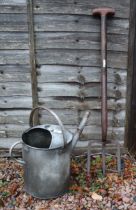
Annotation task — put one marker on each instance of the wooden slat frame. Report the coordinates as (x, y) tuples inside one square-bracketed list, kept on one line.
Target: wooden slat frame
[(130, 137), (32, 56)]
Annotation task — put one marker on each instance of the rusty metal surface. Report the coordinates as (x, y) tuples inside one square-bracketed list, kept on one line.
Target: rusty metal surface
[(104, 12), (104, 155)]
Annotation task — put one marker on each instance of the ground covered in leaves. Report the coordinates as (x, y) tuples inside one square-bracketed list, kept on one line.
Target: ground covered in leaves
[(112, 192)]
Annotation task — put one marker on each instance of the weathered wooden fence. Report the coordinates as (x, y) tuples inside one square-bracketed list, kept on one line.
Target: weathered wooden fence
[(67, 50)]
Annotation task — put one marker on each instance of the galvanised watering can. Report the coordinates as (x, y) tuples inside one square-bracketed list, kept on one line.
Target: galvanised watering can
[(46, 151)]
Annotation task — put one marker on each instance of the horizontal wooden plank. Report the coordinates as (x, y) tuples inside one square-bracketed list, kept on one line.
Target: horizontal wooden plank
[(65, 23), (18, 117), (80, 58), (15, 77), (73, 90), (13, 6), (94, 133), (73, 117), (13, 22), (6, 143), (63, 40), (65, 57), (16, 73), (14, 57), (75, 104), (15, 68), (65, 7), (15, 89), (81, 23), (52, 73), (115, 119), (15, 102), (81, 7), (69, 117), (12, 2), (12, 131), (6, 9), (14, 40), (78, 40)]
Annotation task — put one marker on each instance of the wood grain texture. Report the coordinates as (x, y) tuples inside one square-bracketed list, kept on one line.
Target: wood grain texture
[(78, 23), (75, 104), (13, 40), (65, 7), (79, 40), (67, 39), (14, 73), (80, 58), (130, 135), (64, 57), (72, 117), (16, 117), (94, 133), (12, 131), (12, 2), (59, 23), (15, 89), (78, 74), (12, 6), (14, 102), (81, 7), (96, 146), (14, 57), (73, 90), (13, 22), (19, 68), (6, 143)]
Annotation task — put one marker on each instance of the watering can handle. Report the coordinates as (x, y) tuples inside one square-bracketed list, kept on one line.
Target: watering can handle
[(31, 120), (11, 155)]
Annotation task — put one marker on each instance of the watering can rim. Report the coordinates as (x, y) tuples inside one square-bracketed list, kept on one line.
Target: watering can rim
[(46, 149), (43, 127)]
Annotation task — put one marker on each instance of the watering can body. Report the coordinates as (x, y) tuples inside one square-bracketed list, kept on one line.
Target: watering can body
[(46, 172), (46, 151)]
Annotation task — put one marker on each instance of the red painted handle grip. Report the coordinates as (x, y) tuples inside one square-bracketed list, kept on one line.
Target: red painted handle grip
[(103, 11)]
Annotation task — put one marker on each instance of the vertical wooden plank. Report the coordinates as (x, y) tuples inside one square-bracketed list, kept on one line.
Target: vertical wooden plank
[(32, 55), (130, 137)]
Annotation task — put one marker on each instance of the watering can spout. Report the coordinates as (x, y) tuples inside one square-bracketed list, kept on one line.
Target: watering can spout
[(80, 128)]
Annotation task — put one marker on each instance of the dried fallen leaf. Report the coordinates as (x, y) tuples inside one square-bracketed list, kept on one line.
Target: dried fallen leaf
[(1, 203), (95, 196), (13, 187), (76, 188), (103, 192), (117, 197), (112, 177)]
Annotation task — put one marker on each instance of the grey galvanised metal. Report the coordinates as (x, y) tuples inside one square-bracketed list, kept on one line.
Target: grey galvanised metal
[(46, 151)]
